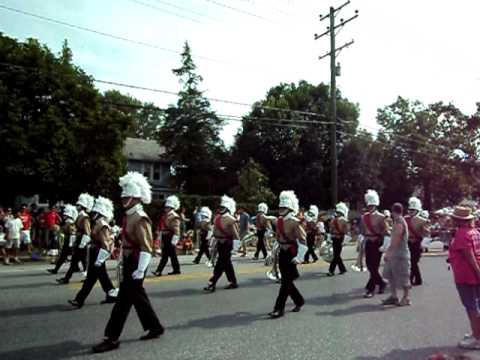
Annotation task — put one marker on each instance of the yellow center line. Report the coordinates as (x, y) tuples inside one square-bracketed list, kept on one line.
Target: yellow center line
[(205, 275)]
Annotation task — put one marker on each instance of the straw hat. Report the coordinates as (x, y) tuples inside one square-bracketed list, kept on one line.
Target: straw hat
[(462, 213)]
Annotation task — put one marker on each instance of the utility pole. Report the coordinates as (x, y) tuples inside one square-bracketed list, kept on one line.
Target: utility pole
[(334, 72)]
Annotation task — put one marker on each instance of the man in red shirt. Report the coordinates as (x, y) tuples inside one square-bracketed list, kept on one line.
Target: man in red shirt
[(52, 218), (26, 219)]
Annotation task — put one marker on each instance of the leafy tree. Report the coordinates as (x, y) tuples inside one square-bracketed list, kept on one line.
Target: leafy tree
[(292, 145), (253, 185), (190, 133), (59, 137)]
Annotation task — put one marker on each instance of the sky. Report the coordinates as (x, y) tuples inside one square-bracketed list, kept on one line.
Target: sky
[(423, 50)]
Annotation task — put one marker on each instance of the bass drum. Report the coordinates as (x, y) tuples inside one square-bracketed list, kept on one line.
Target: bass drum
[(326, 250)]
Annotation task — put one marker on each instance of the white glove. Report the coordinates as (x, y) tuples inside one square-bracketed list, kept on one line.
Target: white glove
[(236, 245), (102, 256), (175, 239), (209, 234), (72, 240), (85, 240), (302, 250), (143, 262)]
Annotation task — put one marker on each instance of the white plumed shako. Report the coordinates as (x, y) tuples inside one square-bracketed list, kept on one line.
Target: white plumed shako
[(104, 207), (135, 185), (206, 213), (86, 200), (229, 204), (70, 211), (289, 200), (172, 202), (263, 208), (414, 204), (342, 208), (372, 198), (312, 214), (425, 214)]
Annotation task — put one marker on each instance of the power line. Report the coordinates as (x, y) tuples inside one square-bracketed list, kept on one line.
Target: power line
[(102, 33), (185, 9), (239, 10), (164, 11)]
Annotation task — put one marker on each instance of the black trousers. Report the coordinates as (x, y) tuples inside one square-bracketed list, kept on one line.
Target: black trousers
[(289, 274), (373, 255), (415, 255), (66, 250), (131, 293), (94, 273), (203, 249), (311, 248), (79, 255), (224, 263), (337, 246), (168, 251), (261, 243)]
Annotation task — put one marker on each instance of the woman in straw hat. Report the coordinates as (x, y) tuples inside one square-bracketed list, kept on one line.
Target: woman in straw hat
[(464, 256)]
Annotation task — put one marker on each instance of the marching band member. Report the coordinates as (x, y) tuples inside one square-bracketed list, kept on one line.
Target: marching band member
[(205, 233), (82, 224), (338, 230), (289, 231), (169, 230), (417, 229), (374, 229), (261, 225), (137, 248), (226, 233), (312, 230), (99, 251), (70, 215)]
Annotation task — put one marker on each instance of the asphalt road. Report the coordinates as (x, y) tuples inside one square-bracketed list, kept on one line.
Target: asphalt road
[(336, 322)]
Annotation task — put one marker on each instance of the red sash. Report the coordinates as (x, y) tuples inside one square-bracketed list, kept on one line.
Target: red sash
[(219, 226), (337, 226), (368, 223), (280, 227), (411, 230)]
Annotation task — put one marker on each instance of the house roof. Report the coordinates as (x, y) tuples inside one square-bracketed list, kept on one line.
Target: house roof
[(140, 149)]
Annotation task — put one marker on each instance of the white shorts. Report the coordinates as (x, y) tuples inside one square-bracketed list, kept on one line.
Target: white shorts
[(25, 237), (12, 243)]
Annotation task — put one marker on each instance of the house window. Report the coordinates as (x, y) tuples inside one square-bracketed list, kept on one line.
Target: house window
[(156, 171), (147, 170)]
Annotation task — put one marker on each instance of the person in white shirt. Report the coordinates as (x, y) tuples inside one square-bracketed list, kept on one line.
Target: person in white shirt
[(13, 227)]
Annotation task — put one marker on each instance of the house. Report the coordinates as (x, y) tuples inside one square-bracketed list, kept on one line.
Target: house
[(145, 156)]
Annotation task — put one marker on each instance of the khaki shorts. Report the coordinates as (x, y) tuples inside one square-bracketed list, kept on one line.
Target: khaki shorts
[(12, 243)]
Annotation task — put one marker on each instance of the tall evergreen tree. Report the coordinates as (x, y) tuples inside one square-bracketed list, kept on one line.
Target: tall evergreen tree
[(190, 133)]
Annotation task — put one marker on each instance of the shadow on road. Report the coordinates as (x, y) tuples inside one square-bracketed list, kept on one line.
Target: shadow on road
[(337, 298), (222, 321), (450, 353), (357, 309), (34, 310), (58, 351)]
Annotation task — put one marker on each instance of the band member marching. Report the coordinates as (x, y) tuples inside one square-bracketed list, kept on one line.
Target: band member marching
[(226, 234), (70, 215), (417, 229), (205, 233), (289, 230), (137, 248), (338, 230), (374, 229), (261, 225), (99, 251), (312, 230), (169, 231), (84, 206)]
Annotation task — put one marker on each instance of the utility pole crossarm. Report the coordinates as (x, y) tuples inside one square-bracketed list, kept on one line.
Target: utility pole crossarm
[(337, 49)]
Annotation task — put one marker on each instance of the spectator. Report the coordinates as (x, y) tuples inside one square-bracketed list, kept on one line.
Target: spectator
[(25, 236), (464, 257), (397, 259), (244, 220), (3, 240), (13, 229), (52, 220), (183, 222)]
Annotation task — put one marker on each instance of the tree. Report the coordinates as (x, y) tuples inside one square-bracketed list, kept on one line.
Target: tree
[(253, 185), (292, 145), (59, 137), (190, 133)]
